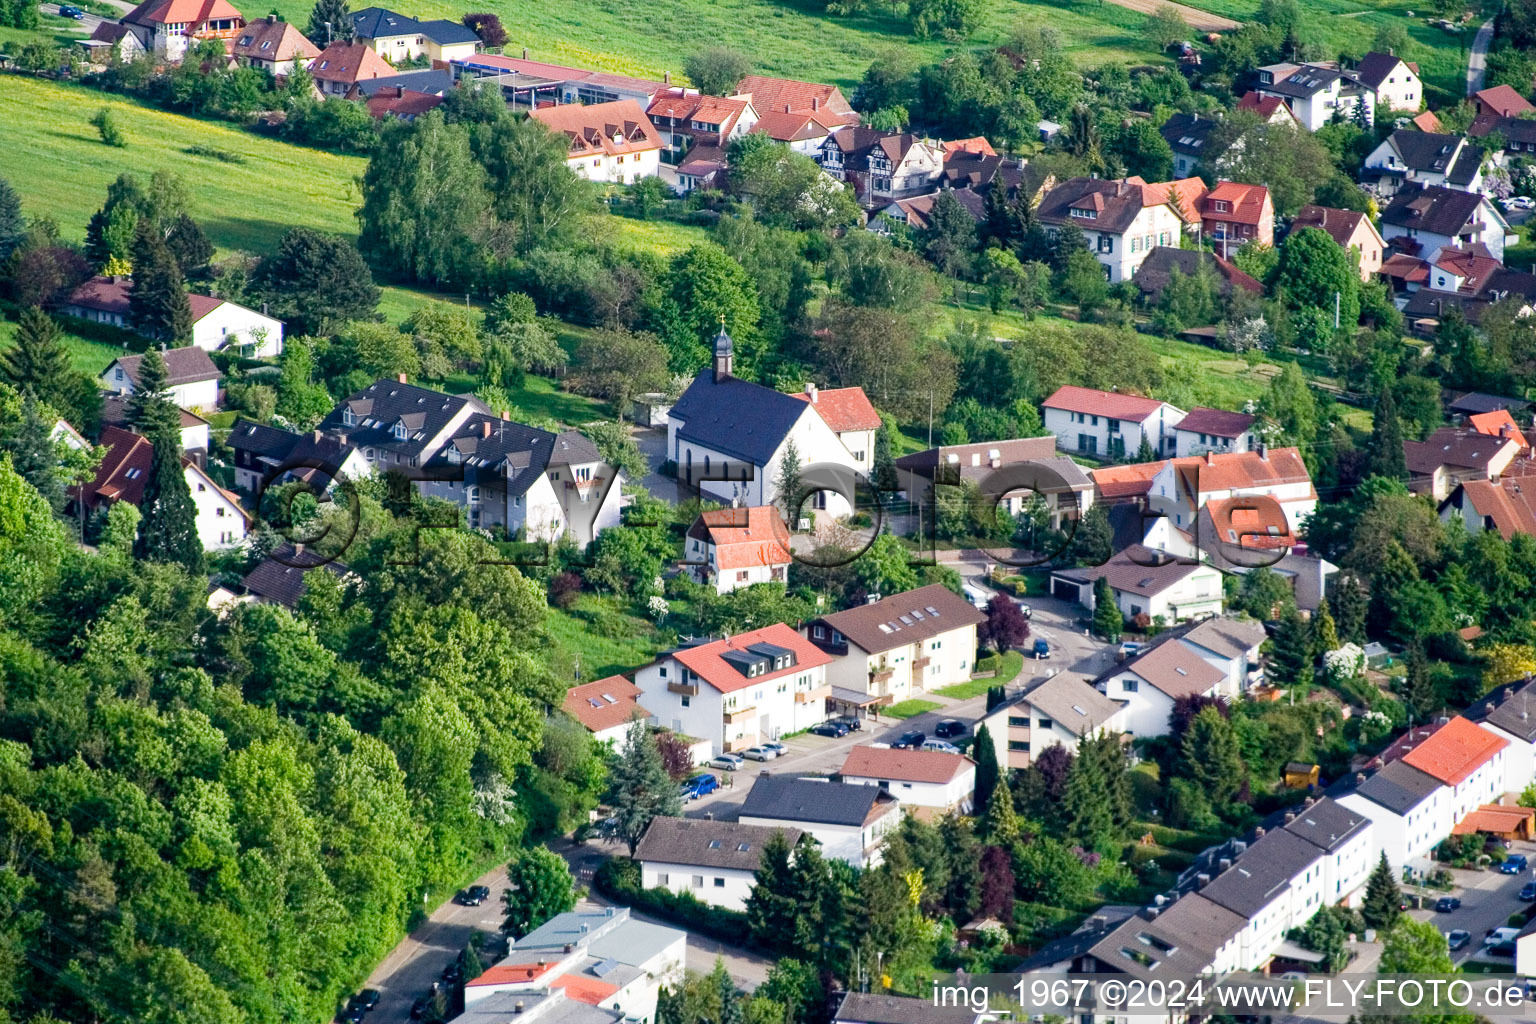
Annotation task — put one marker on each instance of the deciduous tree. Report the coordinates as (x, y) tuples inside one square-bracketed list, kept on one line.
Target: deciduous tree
[(540, 887), (716, 70)]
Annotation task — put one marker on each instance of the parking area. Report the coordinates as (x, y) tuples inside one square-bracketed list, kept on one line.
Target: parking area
[(1488, 898)]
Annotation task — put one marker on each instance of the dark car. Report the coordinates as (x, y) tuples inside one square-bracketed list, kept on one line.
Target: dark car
[(71, 11), (353, 1014), (1457, 939), (368, 998), (452, 973), (908, 741), (851, 723), (1446, 904), (834, 729), (466, 898), (1042, 648), (420, 1007), (1528, 891), (479, 892), (1514, 865), (949, 727)]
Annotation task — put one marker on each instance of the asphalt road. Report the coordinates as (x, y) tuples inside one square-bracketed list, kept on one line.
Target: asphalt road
[(1477, 57), (87, 25), (1487, 900)]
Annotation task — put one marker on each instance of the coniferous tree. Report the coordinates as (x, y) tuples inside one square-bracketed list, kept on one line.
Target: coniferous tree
[(36, 362), (641, 789), (150, 406), (772, 904), (1144, 452), (999, 223), (1383, 900), (1386, 455), (962, 851), (13, 225), (1211, 758), (1092, 537), (1107, 620), (158, 306), (988, 773), (169, 530), (999, 825), (1087, 817), (1353, 605), (1419, 687), (30, 444), (1290, 656), (329, 21), (1325, 631), (189, 246), (1108, 753)]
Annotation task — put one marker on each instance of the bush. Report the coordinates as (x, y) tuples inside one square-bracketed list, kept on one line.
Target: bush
[(564, 588), (222, 155), (988, 663), (106, 124), (619, 880)]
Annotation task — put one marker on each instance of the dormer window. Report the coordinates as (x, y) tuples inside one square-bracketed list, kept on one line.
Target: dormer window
[(1085, 214), (1220, 205), (348, 418), (399, 431)]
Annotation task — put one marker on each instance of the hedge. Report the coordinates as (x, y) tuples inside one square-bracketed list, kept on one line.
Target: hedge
[(619, 880)]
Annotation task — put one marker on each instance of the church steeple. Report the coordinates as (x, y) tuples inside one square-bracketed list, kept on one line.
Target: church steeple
[(723, 349)]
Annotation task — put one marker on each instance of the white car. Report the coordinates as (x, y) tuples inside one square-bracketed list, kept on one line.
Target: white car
[(940, 746), (778, 749), (759, 753), (1520, 203), (726, 762)]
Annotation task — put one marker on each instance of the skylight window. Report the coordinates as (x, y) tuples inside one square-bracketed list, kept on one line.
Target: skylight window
[(714, 844)]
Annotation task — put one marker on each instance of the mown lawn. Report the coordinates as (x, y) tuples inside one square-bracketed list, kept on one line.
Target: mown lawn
[(87, 356), (910, 707)]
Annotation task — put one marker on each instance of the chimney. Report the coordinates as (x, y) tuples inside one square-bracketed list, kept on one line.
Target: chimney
[(317, 437), (517, 1007), (666, 78), (1290, 816), (1359, 778), (1488, 707), (1263, 452), (786, 108), (815, 103), (401, 378), (485, 429), (1258, 833), (525, 53), (1210, 458), (810, 391), (271, 19), (506, 414)]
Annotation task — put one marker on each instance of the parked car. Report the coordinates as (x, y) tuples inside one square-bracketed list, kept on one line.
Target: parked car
[(949, 727), (353, 1014), (1446, 904), (909, 740), (1457, 938), (479, 892), (849, 722), (976, 597), (465, 898), (759, 753), (369, 997), (779, 749), (1513, 865), (701, 784), (726, 762), (1029, 612), (1500, 935), (941, 746), (1130, 648), (1528, 891), (420, 1007), (1042, 649), (71, 11), (1512, 203), (833, 728)]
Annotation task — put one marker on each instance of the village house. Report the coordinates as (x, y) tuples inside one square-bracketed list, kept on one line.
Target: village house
[(1465, 280), (1316, 93), (221, 522), (340, 66), (1187, 135), (728, 437), (1395, 81), (609, 142), (1351, 230), (929, 782), (1015, 472), (528, 481), (265, 455), (601, 960), (606, 707), (398, 38), (274, 46), (802, 132), (1230, 645), (1056, 711), (191, 379), (1181, 487), (1213, 430), (739, 691), (895, 647), (1424, 158), (1185, 195), (168, 28), (1451, 456), (399, 425), (119, 39), (1149, 684), (400, 102), (695, 132), (1239, 535), (282, 577), (1121, 222), (917, 212), (714, 861), (1347, 841), (1092, 422), (824, 102), (882, 166), (849, 821), (1429, 217), (1501, 101), (1165, 260), (195, 433), (1272, 109), (730, 548), (1232, 215), (1507, 505), (1146, 583), (1507, 713), (216, 323)]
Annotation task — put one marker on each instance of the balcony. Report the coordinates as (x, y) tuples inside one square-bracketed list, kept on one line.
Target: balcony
[(920, 664), (686, 689), (740, 715), (881, 676), (811, 696)]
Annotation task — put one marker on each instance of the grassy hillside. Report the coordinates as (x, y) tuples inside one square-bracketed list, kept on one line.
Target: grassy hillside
[(87, 356)]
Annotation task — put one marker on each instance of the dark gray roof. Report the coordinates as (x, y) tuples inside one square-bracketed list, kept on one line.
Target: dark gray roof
[(710, 844), (1069, 948), (1438, 153), (1327, 824), (1374, 68), (1135, 570), (1432, 208), (810, 800), (1187, 133), (1306, 81), (484, 443), (878, 1008), (572, 447), (290, 452), (448, 32), (378, 407), (1261, 873), (1179, 941), (374, 22), (1477, 401), (1399, 787), (182, 366), (550, 1006), (1229, 638), (1513, 709), (736, 417), (432, 81), (283, 582), (1114, 204)]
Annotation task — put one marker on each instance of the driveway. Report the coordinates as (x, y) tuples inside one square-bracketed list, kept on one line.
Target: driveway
[(1487, 900), (653, 445), (1477, 57)]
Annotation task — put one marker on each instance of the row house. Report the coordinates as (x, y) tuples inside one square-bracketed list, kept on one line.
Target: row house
[(1088, 421), (1425, 158), (613, 143), (882, 166), (1121, 222), (895, 647), (741, 690), (1509, 713)]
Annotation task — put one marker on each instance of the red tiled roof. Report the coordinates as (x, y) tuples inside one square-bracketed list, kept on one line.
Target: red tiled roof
[(1247, 203), (402, 102), (511, 974), (783, 126), (1473, 265), (707, 663), (348, 62), (107, 294), (1237, 521), (844, 409), (1185, 195), (1102, 403), (123, 472), (979, 146), (1497, 819), (1264, 106), (1502, 100), (176, 12), (1427, 122), (592, 127), (1229, 471), (1510, 503), (1454, 752), (1131, 481), (1408, 268), (906, 765), (1499, 423), (584, 990), (791, 96), (202, 305), (745, 538), (590, 705)]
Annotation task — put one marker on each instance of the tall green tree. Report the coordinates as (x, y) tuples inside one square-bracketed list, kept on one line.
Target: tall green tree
[(150, 406), (1353, 604), (988, 774), (1211, 758), (1419, 688), (329, 21), (36, 361), (1290, 659), (773, 903), (716, 70), (999, 824), (33, 455), (535, 197), (949, 241), (641, 788), (314, 281), (158, 306), (540, 887), (702, 285), (13, 226), (1087, 814), (1314, 272), (1386, 455), (1383, 899), (168, 532), (1108, 622), (1325, 631)]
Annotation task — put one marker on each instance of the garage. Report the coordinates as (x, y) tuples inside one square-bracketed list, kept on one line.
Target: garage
[(1065, 589)]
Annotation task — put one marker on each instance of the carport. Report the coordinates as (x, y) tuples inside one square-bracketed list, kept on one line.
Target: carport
[(1499, 821), (854, 703)]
